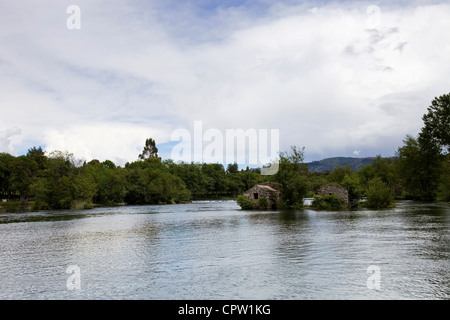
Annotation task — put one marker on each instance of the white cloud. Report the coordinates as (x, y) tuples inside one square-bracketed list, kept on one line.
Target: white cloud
[(136, 70), (5, 139), (118, 142)]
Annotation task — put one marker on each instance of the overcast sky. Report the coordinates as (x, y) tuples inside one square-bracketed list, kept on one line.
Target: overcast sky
[(345, 78)]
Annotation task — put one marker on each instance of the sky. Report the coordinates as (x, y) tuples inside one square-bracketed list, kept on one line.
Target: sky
[(340, 78)]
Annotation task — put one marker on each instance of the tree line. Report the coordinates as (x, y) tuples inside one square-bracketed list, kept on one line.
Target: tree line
[(60, 181), (420, 171)]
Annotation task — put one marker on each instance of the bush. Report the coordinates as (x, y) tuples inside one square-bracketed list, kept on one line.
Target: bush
[(262, 203), (379, 195), (245, 203), (444, 185), (328, 202)]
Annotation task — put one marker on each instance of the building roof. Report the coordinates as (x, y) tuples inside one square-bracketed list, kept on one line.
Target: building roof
[(266, 187)]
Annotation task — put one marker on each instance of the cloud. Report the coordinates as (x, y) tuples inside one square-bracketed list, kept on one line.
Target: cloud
[(137, 70), (5, 139)]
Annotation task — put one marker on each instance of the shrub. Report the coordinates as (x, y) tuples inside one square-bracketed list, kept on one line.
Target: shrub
[(379, 195), (328, 202), (262, 203), (245, 203)]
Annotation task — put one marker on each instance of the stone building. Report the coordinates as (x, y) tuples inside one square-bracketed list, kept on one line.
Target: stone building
[(333, 189), (268, 192)]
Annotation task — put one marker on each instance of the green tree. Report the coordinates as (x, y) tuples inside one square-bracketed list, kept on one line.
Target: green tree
[(437, 122), (419, 165), (444, 181), (150, 150), (292, 176), (110, 181), (353, 184), (38, 155), (245, 203), (5, 173), (232, 168), (215, 177), (379, 195), (63, 184), (23, 171), (151, 182), (328, 202), (338, 174)]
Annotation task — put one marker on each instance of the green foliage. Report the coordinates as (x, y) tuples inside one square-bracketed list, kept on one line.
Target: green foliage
[(292, 175), (437, 122), (444, 185), (379, 195), (22, 174), (245, 203), (110, 181), (263, 203), (151, 182), (353, 184), (59, 180), (150, 150), (419, 168), (338, 174), (328, 202)]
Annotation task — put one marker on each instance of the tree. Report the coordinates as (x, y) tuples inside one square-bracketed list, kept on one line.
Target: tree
[(437, 122), (328, 202), (150, 182), (38, 155), (232, 168), (292, 175), (353, 184), (150, 150), (5, 174), (338, 174), (23, 171), (110, 181), (215, 177), (444, 184), (419, 162), (63, 184), (245, 203), (379, 195)]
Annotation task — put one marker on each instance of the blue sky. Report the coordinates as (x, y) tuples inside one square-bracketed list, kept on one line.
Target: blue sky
[(335, 77)]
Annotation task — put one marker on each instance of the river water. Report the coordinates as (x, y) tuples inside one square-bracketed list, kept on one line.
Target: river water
[(214, 250)]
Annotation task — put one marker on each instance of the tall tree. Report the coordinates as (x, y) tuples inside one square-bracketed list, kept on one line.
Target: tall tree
[(150, 150), (437, 122), (419, 167), (292, 175), (23, 170), (38, 155)]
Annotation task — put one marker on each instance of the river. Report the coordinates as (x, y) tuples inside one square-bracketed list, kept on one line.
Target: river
[(214, 250)]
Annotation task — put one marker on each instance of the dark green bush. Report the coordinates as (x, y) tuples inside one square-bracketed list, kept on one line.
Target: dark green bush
[(379, 195), (262, 203), (328, 202), (245, 203)]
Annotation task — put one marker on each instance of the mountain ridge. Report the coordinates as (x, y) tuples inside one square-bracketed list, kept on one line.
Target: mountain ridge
[(329, 164)]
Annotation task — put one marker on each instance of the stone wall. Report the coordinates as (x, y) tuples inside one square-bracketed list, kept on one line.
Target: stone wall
[(336, 190), (263, 191)]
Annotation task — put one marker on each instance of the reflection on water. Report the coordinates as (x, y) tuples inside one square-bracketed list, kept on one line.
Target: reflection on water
[(214, 250)]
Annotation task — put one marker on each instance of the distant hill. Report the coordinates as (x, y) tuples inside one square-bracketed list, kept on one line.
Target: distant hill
[(329, 164)]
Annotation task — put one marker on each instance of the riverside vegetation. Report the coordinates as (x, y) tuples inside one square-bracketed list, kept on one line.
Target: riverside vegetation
[(420, 171)]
